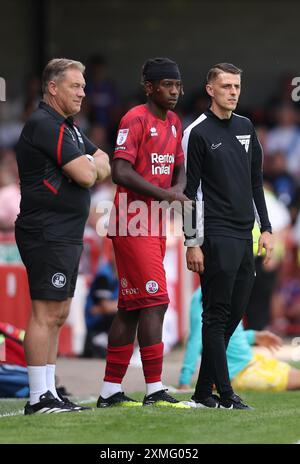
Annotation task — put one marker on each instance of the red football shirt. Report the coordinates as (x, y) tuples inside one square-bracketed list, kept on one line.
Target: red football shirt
[(153, 147)]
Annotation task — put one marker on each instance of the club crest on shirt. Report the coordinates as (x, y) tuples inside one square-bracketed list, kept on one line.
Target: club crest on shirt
[(122, 136), (174, 132), (244, 140), (124, 282), (152, 286), (153, 132)]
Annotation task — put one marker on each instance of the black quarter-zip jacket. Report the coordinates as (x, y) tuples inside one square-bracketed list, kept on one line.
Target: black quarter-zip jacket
[(224, 176)]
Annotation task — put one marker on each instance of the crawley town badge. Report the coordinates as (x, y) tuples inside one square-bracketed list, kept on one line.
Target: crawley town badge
[(152, 286), (122, 136), (59, 280)]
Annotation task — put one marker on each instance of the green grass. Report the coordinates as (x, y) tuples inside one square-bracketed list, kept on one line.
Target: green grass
[(275, 419)]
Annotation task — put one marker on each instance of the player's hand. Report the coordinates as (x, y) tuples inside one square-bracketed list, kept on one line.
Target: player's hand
[(268, 340), (195, 259), (175, 194), (265, 241)]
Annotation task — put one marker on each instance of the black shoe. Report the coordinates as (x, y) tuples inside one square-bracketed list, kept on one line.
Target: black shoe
[(162, 398), (48, 404), (211, 401), (118, 399), (70, 404), (233, 402)]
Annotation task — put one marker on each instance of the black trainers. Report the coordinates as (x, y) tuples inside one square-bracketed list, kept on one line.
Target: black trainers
[(211, 401), (70, 404), (233, 402), (162, 398), (118, 399), (48, 404)]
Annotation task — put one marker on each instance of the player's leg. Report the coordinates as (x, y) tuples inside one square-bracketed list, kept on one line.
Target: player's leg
[(40, 344), (119, 351), (151, 349), (151, 346), (50, 267)]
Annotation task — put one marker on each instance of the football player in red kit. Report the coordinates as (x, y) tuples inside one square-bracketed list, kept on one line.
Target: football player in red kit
[(148, 167)]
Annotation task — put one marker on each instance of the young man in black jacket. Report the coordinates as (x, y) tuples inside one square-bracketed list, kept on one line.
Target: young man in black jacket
[(224, 177)]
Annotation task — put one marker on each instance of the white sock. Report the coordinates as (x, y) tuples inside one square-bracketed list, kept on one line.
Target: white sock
[(109, 388), (50, 379), (153, 387), (37, 382)]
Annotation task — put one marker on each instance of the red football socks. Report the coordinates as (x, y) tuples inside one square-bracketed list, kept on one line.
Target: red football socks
[(117, 361), (152, 359)]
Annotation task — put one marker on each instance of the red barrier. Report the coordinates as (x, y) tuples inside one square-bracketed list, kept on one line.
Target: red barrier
[(15, 303)]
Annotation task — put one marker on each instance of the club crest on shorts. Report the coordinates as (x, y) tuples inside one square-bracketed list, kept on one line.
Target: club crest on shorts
[(122, 136), (152, 286), (59, 280)]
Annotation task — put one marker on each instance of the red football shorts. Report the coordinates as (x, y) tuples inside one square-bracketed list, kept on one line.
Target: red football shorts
[(142, 277)]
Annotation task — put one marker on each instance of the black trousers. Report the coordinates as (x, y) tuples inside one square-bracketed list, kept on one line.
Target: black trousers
[(226, 284)]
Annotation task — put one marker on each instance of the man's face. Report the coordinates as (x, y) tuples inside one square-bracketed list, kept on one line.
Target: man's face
[(69, 92), (225, 90), (165, 93)]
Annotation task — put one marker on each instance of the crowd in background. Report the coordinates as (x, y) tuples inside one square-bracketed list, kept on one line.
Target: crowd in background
[(275, 302)]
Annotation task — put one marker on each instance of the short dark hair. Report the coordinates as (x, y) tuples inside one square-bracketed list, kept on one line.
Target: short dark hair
[(222, 67), (56, 68)]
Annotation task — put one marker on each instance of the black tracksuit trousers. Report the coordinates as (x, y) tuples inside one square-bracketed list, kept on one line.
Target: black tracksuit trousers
[(226, 283)]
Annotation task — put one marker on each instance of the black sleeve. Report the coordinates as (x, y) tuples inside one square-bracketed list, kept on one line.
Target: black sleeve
[(257, 185), (56, 141), (194, 148), (90, 147)]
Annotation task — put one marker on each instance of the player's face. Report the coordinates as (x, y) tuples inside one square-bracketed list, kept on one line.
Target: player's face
[(70, 92), (166, 92), (225, 90)]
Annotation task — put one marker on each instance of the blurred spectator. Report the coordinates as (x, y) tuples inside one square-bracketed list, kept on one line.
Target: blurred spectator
[(99, 136), (9, 191), (10, 126), (197, 104), (259, 307), (101, 305), (102, 95), (283, 183), (286, 308), (29, 98), (281, 96), (286, 138)]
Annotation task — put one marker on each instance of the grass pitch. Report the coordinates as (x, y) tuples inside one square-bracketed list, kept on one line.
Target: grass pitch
[(275, 419)]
